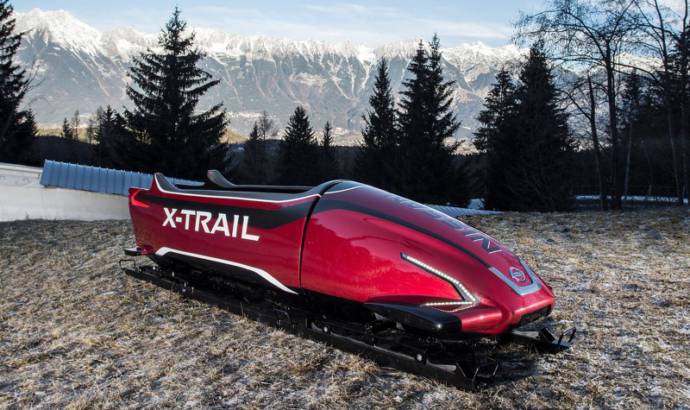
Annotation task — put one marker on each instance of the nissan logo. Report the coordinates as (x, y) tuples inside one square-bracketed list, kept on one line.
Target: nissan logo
[(517, 274)]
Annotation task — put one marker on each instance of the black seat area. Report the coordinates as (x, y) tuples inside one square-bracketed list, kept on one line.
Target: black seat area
[(219, 186), (218, 180)]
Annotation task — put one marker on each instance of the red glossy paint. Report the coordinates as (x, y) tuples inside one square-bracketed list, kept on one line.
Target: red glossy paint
[(351, 249), (356, 256), (277, 251)]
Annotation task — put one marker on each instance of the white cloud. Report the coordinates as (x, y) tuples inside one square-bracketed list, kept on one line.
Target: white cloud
[(344, 9), (468, 29), (219, 12)]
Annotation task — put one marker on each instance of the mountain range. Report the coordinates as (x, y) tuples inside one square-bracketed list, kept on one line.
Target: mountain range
[(78, 67)]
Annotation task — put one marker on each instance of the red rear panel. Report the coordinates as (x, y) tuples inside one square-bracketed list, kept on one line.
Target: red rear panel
[(250, 237)]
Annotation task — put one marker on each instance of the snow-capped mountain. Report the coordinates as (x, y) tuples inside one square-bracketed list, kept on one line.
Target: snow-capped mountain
[(78, 67)]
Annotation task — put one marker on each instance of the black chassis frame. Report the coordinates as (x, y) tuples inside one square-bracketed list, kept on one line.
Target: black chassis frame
[(446, 357)]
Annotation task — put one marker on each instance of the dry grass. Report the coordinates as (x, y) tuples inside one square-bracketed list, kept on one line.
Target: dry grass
[(77, 333)]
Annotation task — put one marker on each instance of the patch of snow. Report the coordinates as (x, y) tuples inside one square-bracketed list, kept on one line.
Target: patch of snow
[(311, 80), (365, 53), (476, 203), (471, 54), (455, 212), (633, 198), (62, 28), (69, 32), (402, 49), (250, 115)]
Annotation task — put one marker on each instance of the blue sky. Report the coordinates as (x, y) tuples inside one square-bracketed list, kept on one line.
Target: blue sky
[(367, 22)]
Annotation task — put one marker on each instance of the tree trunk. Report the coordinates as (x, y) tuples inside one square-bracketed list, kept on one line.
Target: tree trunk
[(683, 134), (603, 200), (674, 154), (8, 122), (627, 161), (683, 129), (613, 130), (650, 167)]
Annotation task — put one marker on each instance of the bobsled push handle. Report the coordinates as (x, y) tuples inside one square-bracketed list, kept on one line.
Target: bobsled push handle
[(218, 179)]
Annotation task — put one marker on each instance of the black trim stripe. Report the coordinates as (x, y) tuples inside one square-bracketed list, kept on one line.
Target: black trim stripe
[(270, 219), (260, 218)]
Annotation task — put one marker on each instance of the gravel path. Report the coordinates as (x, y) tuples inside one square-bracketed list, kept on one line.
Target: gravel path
[(75, 332)]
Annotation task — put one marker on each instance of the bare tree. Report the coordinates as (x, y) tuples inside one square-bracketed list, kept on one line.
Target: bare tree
[(631, 112), (582, 95), (266, 126), (75, 123), (589, 33), (661, 30)]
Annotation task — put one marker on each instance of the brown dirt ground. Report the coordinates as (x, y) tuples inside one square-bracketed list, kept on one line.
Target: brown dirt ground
[(77, 333)]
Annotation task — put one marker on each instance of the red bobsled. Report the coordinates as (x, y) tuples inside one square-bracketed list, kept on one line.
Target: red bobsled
[(346, 243)]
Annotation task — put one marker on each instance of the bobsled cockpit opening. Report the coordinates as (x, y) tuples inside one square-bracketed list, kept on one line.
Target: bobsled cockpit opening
[(217, 180), (218, 186)]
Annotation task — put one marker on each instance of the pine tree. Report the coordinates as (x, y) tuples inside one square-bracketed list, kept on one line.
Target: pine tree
[(450, 181), (23, 134), (116, 146), (91, 128), (327, 158), (494, 138), (67, 130), (167, 87), (412, 113), (529, 147), (298, 152), (75, 123), (327, 138), (546, 163), (499, 107), (253, 166), (17, 127), (375, 163), (631, 99), (441, 100), (427, 165), (680, 84)]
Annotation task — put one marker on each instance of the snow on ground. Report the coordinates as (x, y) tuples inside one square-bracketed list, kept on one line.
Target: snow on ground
[(476, 203), (456, 212), (635, 198), (475, 207), (76, 332), (23, 197)]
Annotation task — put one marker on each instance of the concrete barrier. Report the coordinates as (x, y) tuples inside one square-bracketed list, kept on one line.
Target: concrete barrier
[(23, 197)]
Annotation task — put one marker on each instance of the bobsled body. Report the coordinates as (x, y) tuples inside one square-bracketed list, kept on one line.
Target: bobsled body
[(345, 242)]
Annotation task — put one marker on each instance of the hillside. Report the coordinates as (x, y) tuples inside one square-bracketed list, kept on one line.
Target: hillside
[(75, 331), (79, 68)]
